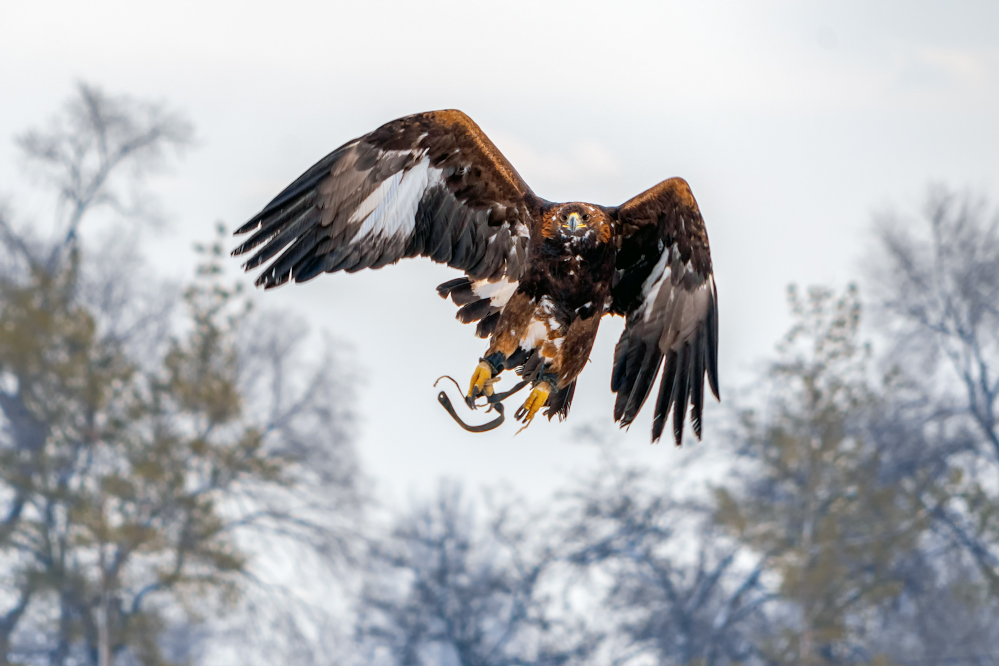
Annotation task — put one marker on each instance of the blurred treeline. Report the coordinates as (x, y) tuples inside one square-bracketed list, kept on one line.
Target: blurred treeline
[(178, 483)]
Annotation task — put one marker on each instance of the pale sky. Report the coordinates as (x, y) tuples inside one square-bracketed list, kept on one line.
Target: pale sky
[(794, 123)]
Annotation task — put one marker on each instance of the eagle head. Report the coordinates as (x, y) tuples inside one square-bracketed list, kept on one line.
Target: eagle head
[(578, 225)]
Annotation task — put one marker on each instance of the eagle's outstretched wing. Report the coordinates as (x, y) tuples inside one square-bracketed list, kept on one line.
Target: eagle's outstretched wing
[(666, 290), (431, 184)]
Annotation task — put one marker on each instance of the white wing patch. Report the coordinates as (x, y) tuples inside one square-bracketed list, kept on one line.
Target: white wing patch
[(650, 289), (390, 210), (685, 314), (678, 309), (498, 293)]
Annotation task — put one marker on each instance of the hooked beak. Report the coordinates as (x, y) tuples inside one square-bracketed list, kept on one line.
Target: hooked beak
[(574, 222)]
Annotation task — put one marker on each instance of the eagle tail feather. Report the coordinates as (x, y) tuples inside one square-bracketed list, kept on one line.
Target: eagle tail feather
[(559, 402)]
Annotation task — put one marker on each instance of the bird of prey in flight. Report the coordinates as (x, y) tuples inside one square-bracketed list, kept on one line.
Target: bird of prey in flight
[(538, 275)]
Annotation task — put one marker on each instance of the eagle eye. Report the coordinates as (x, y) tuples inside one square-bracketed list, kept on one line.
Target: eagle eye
[(586, 217), (562, 217)]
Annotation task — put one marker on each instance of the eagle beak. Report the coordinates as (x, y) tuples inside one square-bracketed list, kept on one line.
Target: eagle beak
[(574, 222)]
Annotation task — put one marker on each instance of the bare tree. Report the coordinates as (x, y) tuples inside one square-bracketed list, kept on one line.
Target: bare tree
[(445, 591), (840, 489), (676, 589), (95, 156), (144, 469), (936, 280), (943, 614), (82, 156)]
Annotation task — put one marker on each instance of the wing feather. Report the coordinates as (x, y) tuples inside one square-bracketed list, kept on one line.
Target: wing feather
[(666, 290), (430, 184)]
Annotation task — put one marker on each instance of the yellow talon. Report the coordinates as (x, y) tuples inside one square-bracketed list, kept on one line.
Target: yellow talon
[(535, 401), (481, 384)]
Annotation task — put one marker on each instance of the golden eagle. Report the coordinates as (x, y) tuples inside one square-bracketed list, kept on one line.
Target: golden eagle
[(539, 275)]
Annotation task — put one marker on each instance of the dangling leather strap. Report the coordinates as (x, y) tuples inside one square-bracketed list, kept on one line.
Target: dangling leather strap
[(495, 402)]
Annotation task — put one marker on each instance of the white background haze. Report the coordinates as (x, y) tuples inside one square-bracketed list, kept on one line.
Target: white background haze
[(794, 122)]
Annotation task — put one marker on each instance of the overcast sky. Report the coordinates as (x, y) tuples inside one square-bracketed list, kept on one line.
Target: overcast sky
[(794, 123)]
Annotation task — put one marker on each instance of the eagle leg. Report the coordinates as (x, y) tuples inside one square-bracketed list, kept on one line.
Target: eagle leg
[(486, 374), (481, 382), (534, 402)]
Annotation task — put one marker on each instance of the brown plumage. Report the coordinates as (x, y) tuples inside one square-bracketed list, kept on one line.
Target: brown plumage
[(539, 275)]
